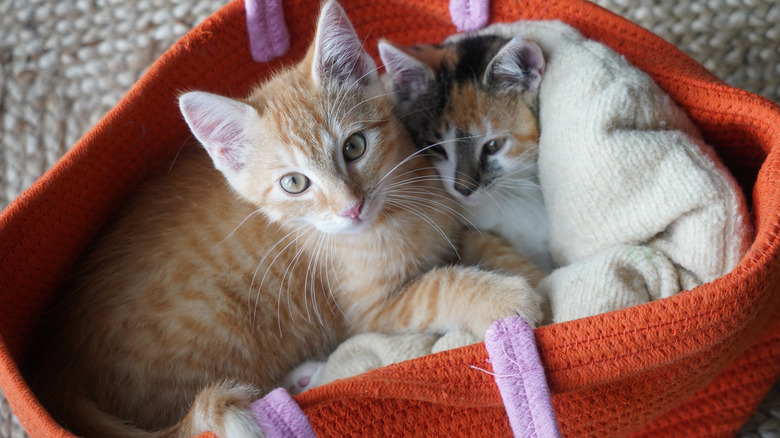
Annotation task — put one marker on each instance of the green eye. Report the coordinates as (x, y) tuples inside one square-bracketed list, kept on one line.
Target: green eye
[(492, 147), (294, 183), (354, 147)]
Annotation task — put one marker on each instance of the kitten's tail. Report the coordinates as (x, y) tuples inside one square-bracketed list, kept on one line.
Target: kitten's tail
[(221, 408)]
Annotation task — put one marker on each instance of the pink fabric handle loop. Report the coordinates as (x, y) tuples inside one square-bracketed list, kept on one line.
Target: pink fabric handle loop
[(469, 15), (520, 377), (280, 417), (268, 35)]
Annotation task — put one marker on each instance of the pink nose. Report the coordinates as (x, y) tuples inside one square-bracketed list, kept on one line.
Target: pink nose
[(354, 211)]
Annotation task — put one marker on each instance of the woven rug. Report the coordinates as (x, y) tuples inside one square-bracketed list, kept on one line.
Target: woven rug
[(63, 65)]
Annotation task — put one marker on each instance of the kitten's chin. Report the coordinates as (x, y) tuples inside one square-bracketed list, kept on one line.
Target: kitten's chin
[(354, 226)]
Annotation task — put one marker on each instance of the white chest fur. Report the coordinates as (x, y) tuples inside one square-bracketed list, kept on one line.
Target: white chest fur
[(519, 216)]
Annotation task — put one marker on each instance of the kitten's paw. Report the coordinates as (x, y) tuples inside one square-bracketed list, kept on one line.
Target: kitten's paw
[(305, 376), (504, 296)]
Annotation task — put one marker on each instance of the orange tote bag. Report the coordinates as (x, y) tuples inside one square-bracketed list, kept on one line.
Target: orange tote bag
[(696, 364)]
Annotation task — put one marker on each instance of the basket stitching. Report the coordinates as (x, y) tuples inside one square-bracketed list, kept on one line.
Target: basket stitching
[(644, 350), (638, 329), (733, 386), (744, 408), (731, 335)]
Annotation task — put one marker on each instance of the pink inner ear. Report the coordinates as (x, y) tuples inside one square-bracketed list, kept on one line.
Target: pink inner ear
[(469, 15), (220, 124), (224, 141), (405, 70), (339, 53), (230, 157)]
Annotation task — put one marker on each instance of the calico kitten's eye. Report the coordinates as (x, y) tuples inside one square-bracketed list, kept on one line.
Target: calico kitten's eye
[(294, 183), (354, 147), (492, 147)]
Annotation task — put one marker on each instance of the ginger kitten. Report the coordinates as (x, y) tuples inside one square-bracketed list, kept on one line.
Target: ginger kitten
[(320, 221)]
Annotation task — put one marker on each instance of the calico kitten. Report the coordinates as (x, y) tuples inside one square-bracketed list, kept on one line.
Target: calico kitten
[(320, 221), (472, 105)]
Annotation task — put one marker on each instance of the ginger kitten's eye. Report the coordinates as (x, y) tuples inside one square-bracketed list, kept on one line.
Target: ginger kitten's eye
[(492, 147), (294, 183), (354, 147)]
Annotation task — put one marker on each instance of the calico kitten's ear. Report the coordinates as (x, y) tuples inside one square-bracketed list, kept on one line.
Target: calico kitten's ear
[(518, 66), (338, 52), (222, 125), (405, 71)]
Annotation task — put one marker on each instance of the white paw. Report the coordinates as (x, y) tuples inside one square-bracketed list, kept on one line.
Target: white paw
[(305, 376)]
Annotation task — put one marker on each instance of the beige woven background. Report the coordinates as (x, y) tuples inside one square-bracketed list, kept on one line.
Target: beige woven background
[(64, 64)]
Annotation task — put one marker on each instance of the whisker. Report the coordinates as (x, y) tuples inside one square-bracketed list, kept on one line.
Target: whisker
[(319, 251), (309, 275), (423, 217), (416, 179), (415, 154), (237, 227), (445, 209), (421, 201), (293, 263), (415, 182), (331, 238), (262, 281), (533, 204)]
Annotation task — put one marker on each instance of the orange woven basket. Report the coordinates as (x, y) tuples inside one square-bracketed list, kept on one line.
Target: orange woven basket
[(696, 364)]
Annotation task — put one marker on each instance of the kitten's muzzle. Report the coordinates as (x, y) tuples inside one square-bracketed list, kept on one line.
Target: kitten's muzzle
[(464, 189), (354, 211)]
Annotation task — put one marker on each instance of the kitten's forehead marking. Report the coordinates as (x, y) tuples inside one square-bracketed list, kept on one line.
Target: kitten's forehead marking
[(473, 56), (435, 56), (464, 108), (306, 120)]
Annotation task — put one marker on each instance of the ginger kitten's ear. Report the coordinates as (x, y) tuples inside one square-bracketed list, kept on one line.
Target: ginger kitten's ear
[(338, 52), (405, 71), (518, 66), (222, 125)]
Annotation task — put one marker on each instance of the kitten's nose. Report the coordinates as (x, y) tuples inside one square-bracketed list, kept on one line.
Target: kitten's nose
[(463, 189), (354, 211)]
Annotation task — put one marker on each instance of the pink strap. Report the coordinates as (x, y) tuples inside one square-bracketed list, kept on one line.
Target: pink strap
[(520, 377), (469, 15), (280, 417), (268, 36)]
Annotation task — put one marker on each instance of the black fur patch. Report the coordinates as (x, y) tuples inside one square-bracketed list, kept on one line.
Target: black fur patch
[(474, 54)]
